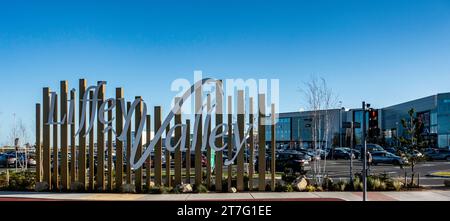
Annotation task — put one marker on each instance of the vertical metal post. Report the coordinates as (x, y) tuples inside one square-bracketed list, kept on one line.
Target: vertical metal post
[(168, 160), (64, 136), (158, 149), (148, 137), (219, 140), (100, 176), (351, 148), (262, 142), (129, 143), (137, 117), (252, 145), (119, 143), (73, 146), (46, 138), (55, 178), (110, 147), (273, 147), (230, 140), (81, 137), (208, 147), (91, 144), (188, 151), (198, 143), (240, 154), (38, 143), (364, 172), (178, 160)]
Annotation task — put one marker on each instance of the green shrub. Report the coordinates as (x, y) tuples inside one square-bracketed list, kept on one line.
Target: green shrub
[(340, 186), (20, 181), (328, 184), (160, 190), (357, 184), (200, 189), (397, 185), (310, 188), (288, 188)]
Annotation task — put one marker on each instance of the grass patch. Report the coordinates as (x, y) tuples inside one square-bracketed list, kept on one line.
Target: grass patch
[(442, 173)]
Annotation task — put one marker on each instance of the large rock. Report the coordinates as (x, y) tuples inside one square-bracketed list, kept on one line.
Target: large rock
[(77, 187), (128, 188), (186, 188), (41, 187), (300, 184)]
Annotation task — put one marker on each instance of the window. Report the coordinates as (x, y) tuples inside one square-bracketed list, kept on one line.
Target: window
[(443, 140)]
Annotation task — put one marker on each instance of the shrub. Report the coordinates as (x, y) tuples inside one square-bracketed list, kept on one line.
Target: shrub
[(397, 185), (21, 181), (310, 188), (357, 184), (288, 188), (201, 188), (340, 186), (327, 183), (160, 190)]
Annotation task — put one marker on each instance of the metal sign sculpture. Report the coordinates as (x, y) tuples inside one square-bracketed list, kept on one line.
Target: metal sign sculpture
[(83, 160)]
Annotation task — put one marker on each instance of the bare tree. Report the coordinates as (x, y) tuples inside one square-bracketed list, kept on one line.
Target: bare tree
[(18, 135), (319, 99)]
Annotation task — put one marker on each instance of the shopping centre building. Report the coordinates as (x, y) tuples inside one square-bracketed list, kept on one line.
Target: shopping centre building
[(295, 129)]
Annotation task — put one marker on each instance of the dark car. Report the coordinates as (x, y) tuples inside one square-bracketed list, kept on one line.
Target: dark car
[(203, 158), (7, 160), (370, 147), (387, 158), (355, 152), (287, 161), (340, 153), (437, 154), (391, 150)]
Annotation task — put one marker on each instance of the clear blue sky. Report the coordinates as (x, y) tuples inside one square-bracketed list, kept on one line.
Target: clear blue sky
[(382, 51)]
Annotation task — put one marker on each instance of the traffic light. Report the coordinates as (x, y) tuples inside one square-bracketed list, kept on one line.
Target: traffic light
[(373, 123)]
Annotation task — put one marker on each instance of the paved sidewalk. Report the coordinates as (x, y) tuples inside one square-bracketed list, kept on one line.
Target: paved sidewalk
[(430, 195)]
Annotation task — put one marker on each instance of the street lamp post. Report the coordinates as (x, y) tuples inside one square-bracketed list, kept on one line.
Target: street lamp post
[(340, 123), (364, 143)]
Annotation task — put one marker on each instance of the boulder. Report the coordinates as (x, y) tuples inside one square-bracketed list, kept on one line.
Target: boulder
[(186, 188), (128, 188), (300, 184), (41, 187)]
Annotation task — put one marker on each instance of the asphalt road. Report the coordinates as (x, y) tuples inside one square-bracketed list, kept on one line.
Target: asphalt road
[(340, 169)]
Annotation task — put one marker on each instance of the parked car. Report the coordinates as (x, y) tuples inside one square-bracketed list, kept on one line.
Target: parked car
[(288, 161), (370, 147), (391, 150), (437, 154), (7, 160), (357, 153), (340, 153), (387, 158)]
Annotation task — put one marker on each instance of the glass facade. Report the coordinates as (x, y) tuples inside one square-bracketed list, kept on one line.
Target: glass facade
[(443, 119), (282, 130)]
